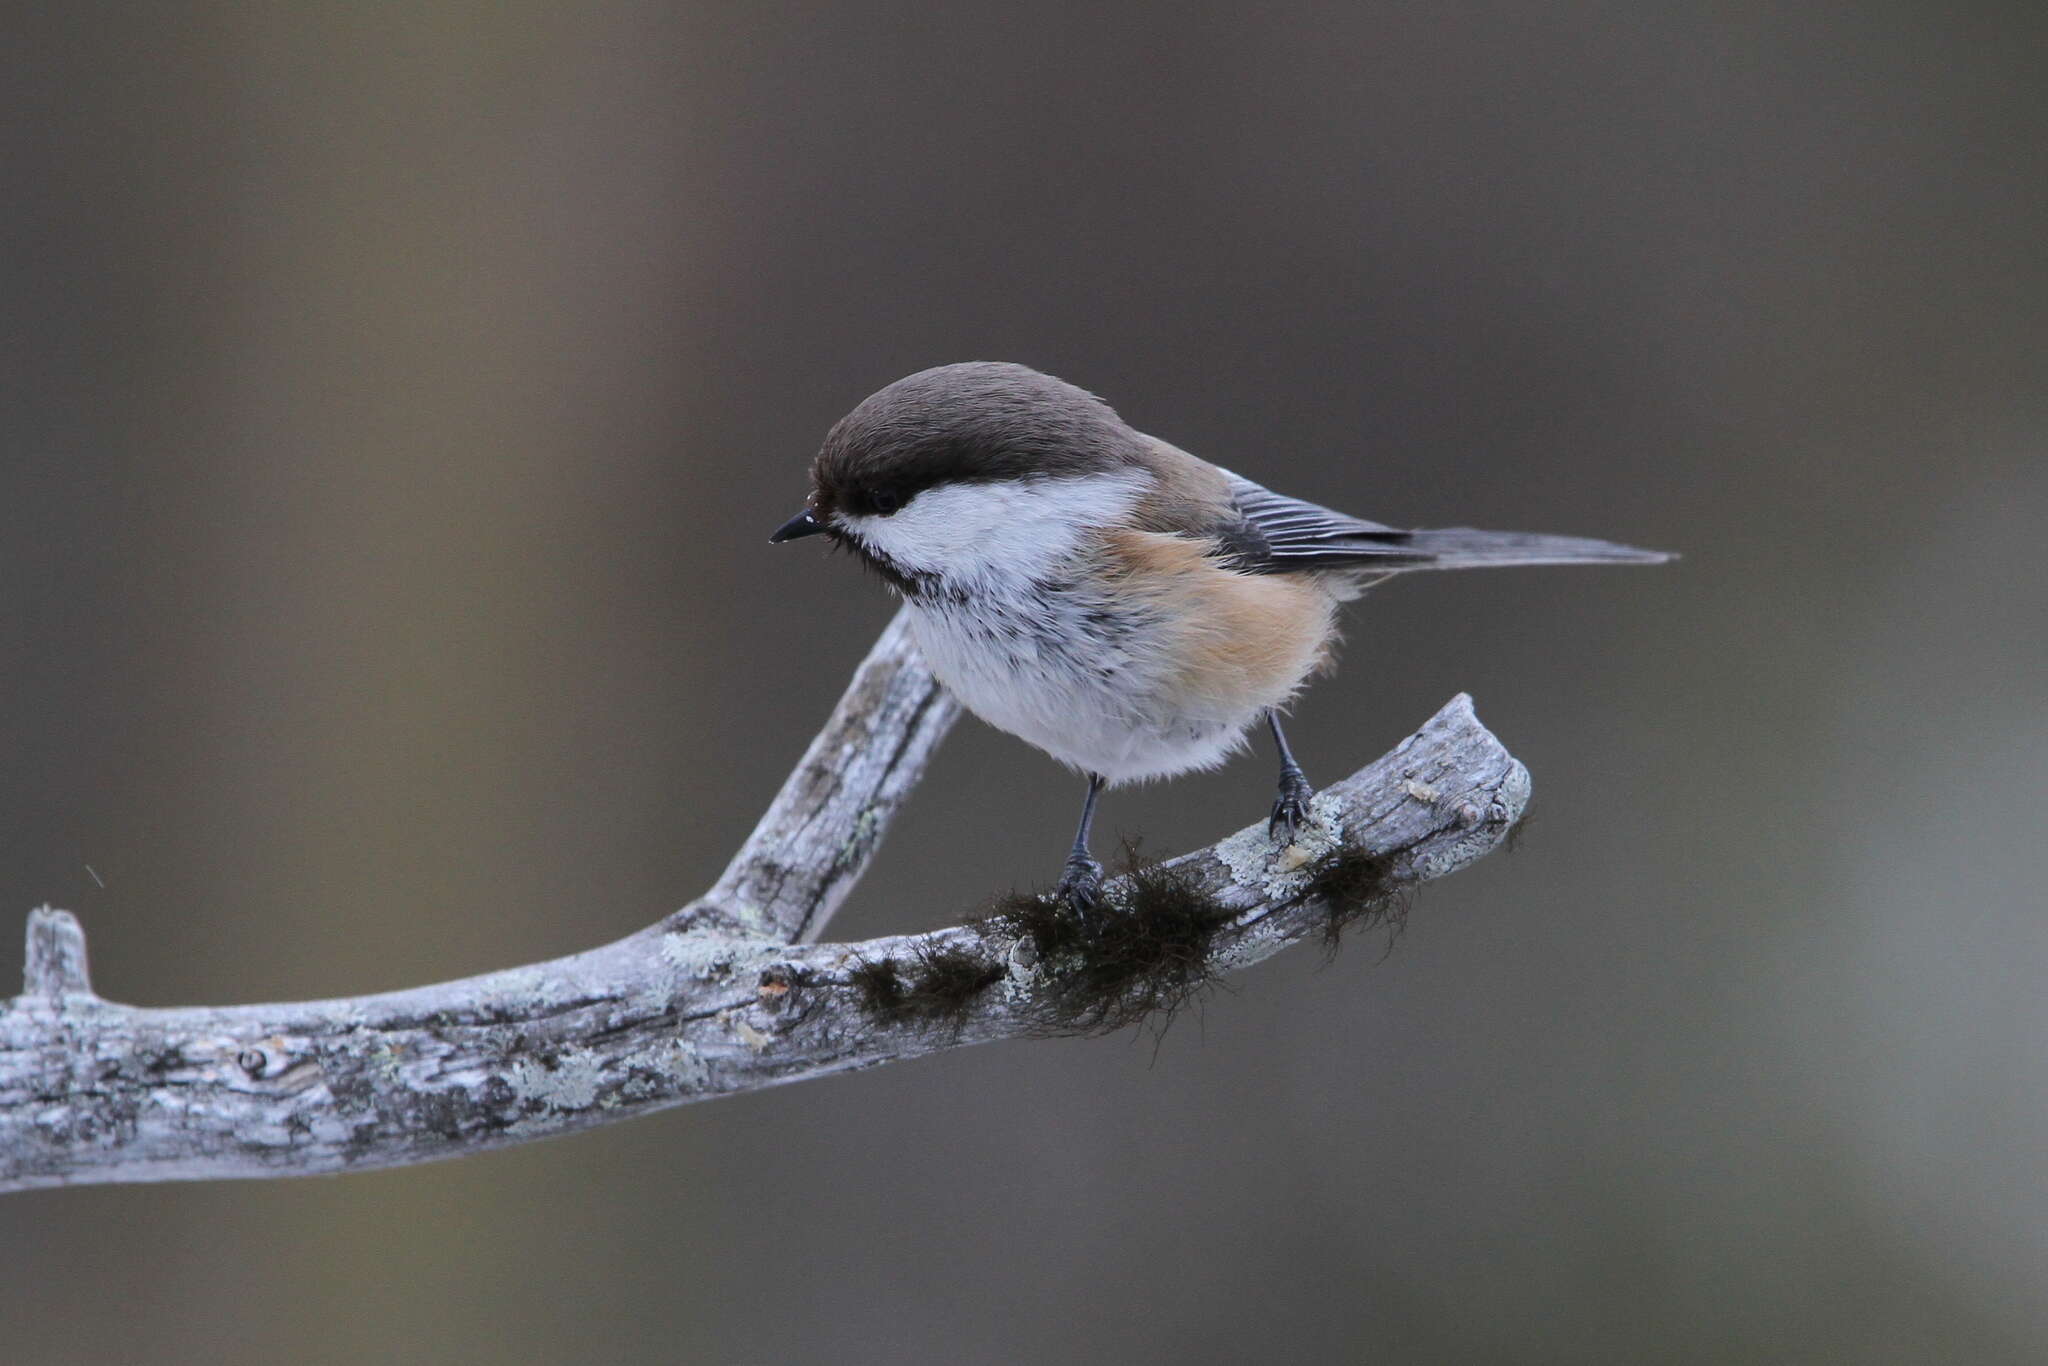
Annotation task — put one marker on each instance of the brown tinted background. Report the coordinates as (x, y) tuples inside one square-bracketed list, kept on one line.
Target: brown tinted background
[(397, 400)]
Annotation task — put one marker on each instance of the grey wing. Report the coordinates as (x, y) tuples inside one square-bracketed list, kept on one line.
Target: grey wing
[(1275, 534)]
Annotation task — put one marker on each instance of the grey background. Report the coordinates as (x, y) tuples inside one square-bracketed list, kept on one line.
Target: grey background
[(397, 399)]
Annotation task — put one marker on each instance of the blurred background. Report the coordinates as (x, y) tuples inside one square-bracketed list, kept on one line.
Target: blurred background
[(397, 400)]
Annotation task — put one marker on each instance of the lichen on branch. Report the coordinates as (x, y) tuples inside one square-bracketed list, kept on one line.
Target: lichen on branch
[(727, 994)]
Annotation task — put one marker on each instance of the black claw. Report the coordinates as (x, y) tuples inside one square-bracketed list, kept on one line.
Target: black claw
[(1081, 884), (1290, 808)]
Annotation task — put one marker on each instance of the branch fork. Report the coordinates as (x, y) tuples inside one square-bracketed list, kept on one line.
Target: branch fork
[(730, 993)]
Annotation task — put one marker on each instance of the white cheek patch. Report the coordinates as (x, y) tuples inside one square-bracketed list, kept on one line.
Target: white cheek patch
[(1017, 528)]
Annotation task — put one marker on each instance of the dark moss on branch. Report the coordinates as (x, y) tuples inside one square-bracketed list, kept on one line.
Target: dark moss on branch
[(945, 981), (1144, 954), (1357, 887), (878, 986), (936, 987)]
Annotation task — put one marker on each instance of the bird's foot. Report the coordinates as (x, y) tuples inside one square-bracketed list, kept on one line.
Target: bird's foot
[(1290, 808), (1080, 884)]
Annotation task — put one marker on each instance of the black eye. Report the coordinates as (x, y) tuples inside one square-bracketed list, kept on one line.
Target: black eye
[(886, 501)]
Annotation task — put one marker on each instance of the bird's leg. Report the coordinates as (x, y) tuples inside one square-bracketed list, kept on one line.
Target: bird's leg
[(1081, 880), (1290, 808)]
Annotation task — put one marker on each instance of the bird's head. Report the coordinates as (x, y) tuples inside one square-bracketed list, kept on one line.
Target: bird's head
[(962, 473)]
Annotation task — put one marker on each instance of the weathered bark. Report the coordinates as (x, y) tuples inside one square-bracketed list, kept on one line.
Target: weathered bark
[(725, 995)]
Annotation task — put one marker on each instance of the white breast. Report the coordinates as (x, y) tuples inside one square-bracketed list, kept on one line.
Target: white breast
[(1023, 623), (1087, 683)]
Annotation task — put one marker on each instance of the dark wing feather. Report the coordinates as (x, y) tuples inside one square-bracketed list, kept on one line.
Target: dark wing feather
[(1275, 534)]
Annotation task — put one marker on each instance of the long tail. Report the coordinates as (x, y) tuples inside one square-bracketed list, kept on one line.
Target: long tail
[(1282, 535), (1461, 547)]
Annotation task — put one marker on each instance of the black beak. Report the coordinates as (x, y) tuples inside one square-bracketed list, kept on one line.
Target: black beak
[(803, 524)]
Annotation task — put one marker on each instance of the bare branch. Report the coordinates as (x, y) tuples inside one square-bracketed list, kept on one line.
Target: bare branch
[(815, 841), (721, 997)]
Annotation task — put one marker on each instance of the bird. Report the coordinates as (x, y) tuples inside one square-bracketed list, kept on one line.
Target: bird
[(1130, 609)]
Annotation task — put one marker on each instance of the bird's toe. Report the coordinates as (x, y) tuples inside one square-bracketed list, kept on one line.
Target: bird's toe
[(1081, 884), (1290, 809)]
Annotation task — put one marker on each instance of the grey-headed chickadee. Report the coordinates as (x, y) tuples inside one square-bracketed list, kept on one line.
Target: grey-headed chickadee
[(1128, 608)]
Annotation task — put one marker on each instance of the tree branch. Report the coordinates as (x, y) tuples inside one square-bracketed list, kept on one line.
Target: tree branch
[(724, 995), (813, 844)]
